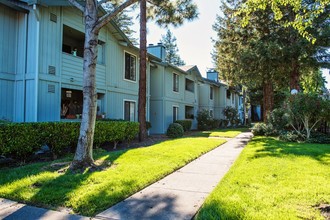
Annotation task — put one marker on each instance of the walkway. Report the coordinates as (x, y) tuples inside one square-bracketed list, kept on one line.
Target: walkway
[(177, 196), (180, 194)]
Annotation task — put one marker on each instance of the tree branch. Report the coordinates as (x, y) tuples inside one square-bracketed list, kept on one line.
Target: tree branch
[(77, 5), (107, 17)]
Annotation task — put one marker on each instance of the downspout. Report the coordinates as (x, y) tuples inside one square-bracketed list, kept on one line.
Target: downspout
[(26, 60), (37, 15), (164, 109)]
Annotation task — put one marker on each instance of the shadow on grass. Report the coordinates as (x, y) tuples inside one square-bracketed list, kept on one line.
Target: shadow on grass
[(148, 206), (51, 191), (277, 148)]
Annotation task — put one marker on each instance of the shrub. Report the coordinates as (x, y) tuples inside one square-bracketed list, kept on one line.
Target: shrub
[(175, 130), (21, 140), (204, 120), (319, 138), (259, 129), (215, 123), (148, 123), (186, 124), (291, 136), (224, 123), (231, 114), (278, 120)]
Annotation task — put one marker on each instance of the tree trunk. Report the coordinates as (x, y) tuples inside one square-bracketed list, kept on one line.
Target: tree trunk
[(84, 152), (143, 70), (294, 76), (268, 100)]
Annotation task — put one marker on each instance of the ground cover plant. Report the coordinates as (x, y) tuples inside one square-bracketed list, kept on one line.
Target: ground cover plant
[(225, 133), (89, 193), (273, 179)]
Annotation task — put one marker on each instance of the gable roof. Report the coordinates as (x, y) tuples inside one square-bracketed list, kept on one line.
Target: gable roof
[(192, 69)]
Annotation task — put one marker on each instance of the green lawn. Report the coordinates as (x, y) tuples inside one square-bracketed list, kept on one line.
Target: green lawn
[(273, 180), (226, 133), (91, 193)]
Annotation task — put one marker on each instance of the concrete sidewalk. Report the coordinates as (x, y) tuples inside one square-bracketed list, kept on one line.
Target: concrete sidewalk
[(177, 196), (180, 194)]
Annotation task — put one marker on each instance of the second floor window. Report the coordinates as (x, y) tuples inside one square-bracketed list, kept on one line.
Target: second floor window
[(211, 93), (175, 82), (130, 67)]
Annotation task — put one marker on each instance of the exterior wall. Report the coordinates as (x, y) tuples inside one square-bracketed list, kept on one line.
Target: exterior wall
[(25, 75)]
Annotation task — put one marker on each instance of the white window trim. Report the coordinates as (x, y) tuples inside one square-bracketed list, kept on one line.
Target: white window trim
[(177, 115), (135, 110), (136, 68)]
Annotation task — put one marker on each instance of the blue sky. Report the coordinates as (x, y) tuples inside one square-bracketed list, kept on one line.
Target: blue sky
[(194, 38)]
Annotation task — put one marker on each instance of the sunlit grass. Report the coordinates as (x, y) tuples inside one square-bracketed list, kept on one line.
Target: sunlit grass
[(273, 180), (90, 193), (226, 133)]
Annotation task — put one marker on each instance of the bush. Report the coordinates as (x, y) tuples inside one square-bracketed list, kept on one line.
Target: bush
[(175, 130), (278, 120), (231, 114), (291, 136), (204, 120), (259, 129), (186, 124), (319, 138), (215, 123), (21, 140)]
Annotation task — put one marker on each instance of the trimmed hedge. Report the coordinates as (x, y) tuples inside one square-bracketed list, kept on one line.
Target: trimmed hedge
[(186, 124), (21, 140), (174, 130)]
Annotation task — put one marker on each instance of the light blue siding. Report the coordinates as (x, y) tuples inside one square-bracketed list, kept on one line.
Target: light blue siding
[(49, 101), (19, 101), (6, 99), (30, 103), (8, 39)]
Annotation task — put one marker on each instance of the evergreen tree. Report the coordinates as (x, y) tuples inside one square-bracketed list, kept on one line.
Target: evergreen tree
[(265, 54), (171, 48)]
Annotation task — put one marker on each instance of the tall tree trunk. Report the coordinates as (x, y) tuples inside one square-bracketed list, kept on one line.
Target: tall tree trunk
[(143, 70), (84, 152), (268, 100), (294, 76)]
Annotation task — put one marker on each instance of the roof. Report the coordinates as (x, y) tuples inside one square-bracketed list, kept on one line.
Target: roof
[(192, 69)]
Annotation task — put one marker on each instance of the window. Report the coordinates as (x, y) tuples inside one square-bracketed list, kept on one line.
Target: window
[(228, 94), (190, 85), (189, 112), (211, 93), (73, 43), (130, 67), (175, 113), (175, 82), (129, 110)]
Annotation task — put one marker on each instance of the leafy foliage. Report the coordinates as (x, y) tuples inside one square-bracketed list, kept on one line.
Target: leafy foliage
[(186, 124), (174, 130), (306, 111), (204, 120), (21, 140), (231, 114), (171, 48)]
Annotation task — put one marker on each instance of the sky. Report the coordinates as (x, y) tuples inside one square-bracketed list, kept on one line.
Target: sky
[(194, 37)]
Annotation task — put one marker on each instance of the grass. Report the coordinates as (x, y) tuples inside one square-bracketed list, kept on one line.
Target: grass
[(273, 180), (92, 192), (226, 133)]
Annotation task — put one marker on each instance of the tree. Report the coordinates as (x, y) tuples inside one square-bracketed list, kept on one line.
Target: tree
[(93, 24), (267, 55), (305, 12), (164, 12), (171, 48)]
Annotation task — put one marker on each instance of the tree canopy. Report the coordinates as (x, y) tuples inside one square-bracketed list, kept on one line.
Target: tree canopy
[(171, 48)]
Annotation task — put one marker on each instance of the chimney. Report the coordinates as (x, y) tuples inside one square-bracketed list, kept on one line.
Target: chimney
[(212, 75), (157, 50)]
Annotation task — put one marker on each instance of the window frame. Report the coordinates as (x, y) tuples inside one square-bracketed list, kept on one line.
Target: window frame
[(211, 92), (124, 105), (191, 82), (135, 67), (177, 113), (175, 82)]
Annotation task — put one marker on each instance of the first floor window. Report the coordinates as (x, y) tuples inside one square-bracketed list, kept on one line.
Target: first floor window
[(129, 111), (175, 113), (130, 67), (211, 113)]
